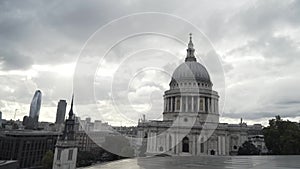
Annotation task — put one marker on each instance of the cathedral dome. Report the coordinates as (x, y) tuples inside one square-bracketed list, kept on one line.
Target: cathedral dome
[(190, 70)]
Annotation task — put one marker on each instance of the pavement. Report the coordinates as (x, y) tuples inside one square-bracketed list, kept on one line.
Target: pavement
[(207, 162)]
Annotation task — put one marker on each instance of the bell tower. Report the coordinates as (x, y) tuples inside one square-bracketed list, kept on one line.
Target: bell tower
[(66, 149)]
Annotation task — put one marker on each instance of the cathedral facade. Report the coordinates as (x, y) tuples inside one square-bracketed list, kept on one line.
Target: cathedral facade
[(190, 124)]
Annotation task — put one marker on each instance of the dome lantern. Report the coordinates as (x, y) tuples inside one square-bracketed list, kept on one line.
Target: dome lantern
[(190, 57)]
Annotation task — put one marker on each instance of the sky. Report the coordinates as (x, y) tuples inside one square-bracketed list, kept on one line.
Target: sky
[(118, 56)]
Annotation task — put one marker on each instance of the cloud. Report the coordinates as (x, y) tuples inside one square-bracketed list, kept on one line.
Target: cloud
[(13, 60), (258, 42)]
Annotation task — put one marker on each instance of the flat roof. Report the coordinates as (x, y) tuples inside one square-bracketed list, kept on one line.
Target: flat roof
[(28, 133)]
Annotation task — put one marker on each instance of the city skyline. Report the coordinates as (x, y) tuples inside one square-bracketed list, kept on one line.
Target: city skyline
[(258, 55)]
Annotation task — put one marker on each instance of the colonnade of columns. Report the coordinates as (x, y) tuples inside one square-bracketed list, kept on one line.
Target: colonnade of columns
[(190, 104)]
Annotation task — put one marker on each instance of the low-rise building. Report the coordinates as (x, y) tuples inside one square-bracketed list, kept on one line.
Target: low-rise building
[(26, 146)]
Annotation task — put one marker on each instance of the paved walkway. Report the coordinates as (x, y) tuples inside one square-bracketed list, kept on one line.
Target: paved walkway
[(207, 162)]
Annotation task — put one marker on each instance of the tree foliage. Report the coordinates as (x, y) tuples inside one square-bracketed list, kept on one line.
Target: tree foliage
[(85, 158), (114, 148), (282, 137), (47, 160), (118, 147), (248, 149)]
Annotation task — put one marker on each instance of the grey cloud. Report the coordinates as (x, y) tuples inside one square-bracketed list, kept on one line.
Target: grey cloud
[(13, 60), (42, 32)]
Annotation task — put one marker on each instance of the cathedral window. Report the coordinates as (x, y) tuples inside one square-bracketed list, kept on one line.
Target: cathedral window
[(58, 154), (202, 145), (201, 104), (185, 144), (178, 104), (70, 155)]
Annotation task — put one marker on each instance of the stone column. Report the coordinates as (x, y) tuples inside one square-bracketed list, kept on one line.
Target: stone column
[(148, 142), (155, 142), (192, 104), (212, 105), (171, 109), (172, 104), (198, 104), (181, 102), (168, 104), (186, 104), (217, 106), (175, 105), (223, 146), (219, 145), (165, 107), (195, 145)]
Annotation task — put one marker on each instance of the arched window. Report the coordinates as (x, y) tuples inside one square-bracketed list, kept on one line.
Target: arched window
[(185, 145), (170, 142), (202, 145)]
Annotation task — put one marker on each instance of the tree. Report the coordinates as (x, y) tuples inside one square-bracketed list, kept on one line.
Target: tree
[(248, 149), (47, 160), (282, 137), (118, 147), (85, 158), (143, 148)]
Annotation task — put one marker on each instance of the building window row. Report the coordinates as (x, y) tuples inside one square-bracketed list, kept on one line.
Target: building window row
[(190, 84)]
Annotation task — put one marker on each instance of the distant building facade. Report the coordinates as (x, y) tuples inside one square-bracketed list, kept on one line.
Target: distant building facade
[(31, 121), (88, 126), (61, 112), (35, 107), (190, 124), (28, 147)]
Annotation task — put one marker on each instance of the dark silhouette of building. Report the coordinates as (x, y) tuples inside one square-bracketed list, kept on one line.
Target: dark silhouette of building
[(61, 112), (26, 146)]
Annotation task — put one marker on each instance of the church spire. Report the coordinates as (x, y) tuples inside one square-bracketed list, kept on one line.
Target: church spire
[(71, 109), (190, 57)]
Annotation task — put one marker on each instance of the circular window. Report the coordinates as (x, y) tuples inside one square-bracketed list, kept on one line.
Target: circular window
[(185, 119)]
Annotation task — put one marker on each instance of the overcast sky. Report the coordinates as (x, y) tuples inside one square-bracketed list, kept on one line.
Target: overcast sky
[(250, 48)]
